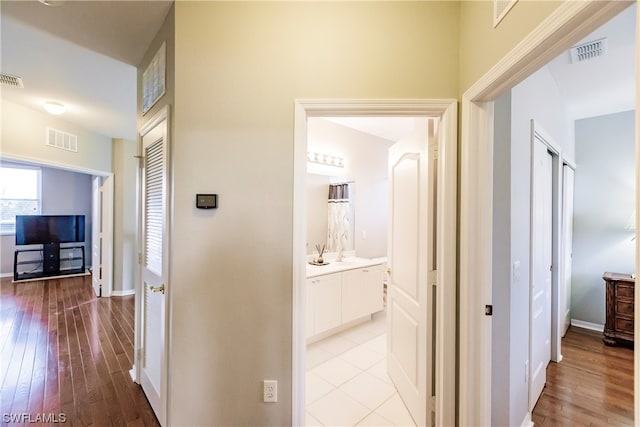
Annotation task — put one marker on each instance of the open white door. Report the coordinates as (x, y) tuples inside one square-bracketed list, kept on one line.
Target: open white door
[(541, 268), (411, 260), (96, 235), (567, 245), (102, 235), (153, 269)]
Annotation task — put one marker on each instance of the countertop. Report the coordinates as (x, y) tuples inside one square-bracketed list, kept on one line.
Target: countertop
[(350, 263)]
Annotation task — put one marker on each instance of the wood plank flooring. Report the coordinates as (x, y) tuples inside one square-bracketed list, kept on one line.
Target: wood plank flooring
[(592, 386), (66, 355)]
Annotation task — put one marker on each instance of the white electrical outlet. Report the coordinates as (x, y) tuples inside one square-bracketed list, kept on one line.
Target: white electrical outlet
[(270, 390)]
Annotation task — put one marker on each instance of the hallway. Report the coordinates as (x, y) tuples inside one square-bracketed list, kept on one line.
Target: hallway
[(592, 386), (66, 355)]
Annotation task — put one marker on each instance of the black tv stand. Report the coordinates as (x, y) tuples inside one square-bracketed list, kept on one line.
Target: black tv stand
[(48, 265), (51, 259)]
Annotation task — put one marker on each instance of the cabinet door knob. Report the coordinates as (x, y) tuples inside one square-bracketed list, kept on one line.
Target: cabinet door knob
[(389, 271)]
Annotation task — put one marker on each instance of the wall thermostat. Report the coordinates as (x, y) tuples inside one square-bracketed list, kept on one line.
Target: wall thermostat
[(206, 201)]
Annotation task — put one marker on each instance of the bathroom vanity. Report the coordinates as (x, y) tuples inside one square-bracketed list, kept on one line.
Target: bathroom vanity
[(342, 294)]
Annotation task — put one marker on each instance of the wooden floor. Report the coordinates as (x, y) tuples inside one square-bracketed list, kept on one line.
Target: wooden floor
[(592, 386), (65, 353)]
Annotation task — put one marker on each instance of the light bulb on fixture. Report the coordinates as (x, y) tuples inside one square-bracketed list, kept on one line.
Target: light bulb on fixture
[(54, 108)]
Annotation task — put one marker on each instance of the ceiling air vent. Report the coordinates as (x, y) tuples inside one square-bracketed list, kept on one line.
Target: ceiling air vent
[(590, 50), (8, 80), (62, 140)]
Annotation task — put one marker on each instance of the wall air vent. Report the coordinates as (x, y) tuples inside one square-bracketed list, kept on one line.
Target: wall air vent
[(586, 51), (62, 140), (9, 80)]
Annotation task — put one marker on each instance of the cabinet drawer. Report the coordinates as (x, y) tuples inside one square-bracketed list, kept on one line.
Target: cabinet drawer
[(624, 307), (624, 325), (624, 291)]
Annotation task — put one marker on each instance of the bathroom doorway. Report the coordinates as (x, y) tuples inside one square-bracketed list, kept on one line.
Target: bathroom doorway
[(345, 363)]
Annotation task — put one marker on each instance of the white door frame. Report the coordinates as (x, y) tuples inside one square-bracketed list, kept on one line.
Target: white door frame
[(446, 111), (566, 243), (556, 258), (537, 133), (569, 23), (135, 371)]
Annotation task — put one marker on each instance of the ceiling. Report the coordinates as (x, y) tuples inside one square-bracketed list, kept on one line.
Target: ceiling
[(84, 53), (606, 84)]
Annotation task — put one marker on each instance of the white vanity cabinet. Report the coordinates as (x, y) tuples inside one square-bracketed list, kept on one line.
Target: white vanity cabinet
[(341, 296), (324, 296), (362, 292)]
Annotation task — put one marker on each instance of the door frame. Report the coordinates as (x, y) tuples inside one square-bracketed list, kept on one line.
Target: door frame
[(108, 289), (537, 132), (569, 23), (135, 372), (106, 216), (445, 352), (565, 303), (555, 336)]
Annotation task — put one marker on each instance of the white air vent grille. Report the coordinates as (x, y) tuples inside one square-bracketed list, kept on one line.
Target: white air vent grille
[(8, 80), (62, 140), (590, 50)]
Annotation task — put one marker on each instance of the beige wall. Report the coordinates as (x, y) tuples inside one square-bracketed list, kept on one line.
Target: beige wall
[(23, 137), (239, 68), (125, 219), (482, 45)]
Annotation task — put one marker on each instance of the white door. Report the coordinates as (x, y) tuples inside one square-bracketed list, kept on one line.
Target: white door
[(102, 235), (96, 235), (541, 264), (153, 266), (411, 257), (567, 245)]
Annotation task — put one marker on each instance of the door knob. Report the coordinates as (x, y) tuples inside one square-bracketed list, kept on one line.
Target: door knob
[(157, 288)]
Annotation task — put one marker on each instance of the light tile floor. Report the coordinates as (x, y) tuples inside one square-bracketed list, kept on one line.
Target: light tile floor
[(347, 381)]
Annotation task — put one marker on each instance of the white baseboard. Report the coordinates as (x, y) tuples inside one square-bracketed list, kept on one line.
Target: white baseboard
[(527, 421), (6, 275), (123, 293), (587, 325)]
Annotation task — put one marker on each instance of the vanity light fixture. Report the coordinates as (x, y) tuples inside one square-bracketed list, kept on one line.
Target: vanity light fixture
[(54, 108), (325, 159)]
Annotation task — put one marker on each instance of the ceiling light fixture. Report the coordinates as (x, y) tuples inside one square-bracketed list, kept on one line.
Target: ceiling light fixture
[(54, 108), (325, 159)]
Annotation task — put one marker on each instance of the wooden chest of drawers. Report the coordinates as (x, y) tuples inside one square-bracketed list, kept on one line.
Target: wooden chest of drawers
[(618, 328)]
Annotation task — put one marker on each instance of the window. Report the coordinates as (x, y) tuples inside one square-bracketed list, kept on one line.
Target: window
[(19, 195)]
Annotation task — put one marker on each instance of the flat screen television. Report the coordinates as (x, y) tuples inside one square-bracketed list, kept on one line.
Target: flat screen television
[(45, 229)]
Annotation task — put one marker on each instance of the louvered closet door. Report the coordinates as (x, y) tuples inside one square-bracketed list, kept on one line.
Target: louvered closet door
[(154, 220)]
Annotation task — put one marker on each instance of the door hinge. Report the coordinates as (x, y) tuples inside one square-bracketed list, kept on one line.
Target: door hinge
[(139, 257), (488, 310), (432, 277)]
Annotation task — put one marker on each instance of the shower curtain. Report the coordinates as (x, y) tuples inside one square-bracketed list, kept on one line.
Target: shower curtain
[(338, 227)]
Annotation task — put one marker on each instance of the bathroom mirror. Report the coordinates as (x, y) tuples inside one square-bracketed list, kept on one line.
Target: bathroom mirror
[(330, 222)]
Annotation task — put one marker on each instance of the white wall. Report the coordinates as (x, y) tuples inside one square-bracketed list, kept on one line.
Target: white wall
[(125, 217), (63, 193), (538, 98), (23, 138), (501, 292), (366, 158), (239, 68), (604, 205)]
